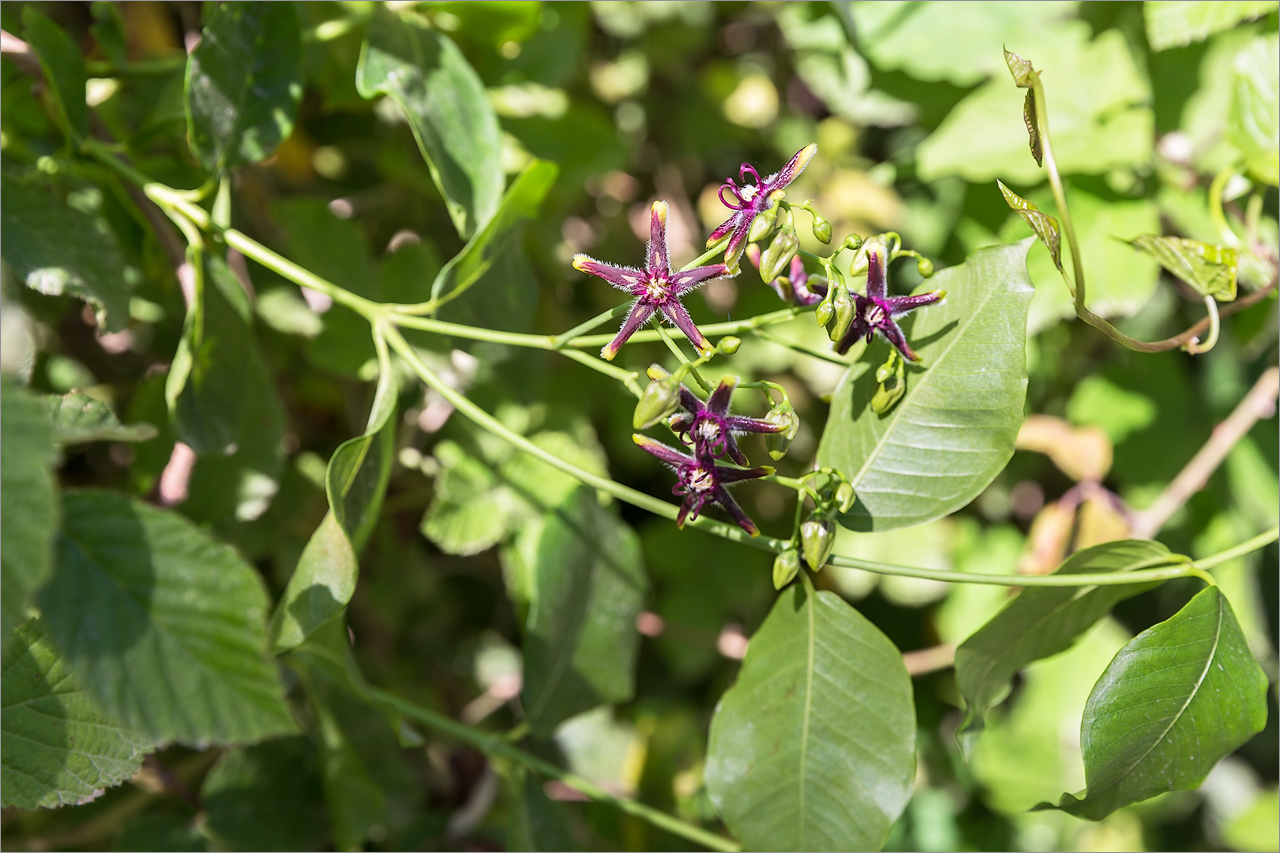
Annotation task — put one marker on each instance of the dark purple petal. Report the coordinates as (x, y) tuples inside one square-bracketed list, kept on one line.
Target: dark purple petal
[(725, 227), (690, 401), (877, 275), (641, 311), (893, 334), (657, 257), (719, 400), (727, 475), (859, 329), (792, 170), (734, 452), (667, 454), (676, 314), (899, 305), (682, 282), (738, 423), (629, 279), (726, 500)]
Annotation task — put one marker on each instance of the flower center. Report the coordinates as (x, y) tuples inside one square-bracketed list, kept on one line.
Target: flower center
[(708, 431), (656, 288), (701, 480), (748, 192), (873, 314)]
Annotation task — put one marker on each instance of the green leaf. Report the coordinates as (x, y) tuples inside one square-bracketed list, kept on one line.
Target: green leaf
[(1175, 700), (58, 748), (588, 586), (447, 108), (1023, 72), (1042, 622), (162, 833), (1099, 115), (77, 418), (220, 394), (813, 748), (356, 481), (267, 797), (28, 504), (1255, 108), (1045, 226), (468, 514), (1175, 23), (243, 83), (36, 240), (954, 431), (161, 624), (534, 822), (1210, 269), (63, 67), (500, 236)]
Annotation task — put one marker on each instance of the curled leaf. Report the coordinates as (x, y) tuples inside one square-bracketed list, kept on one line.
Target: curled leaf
[(1045, 226)]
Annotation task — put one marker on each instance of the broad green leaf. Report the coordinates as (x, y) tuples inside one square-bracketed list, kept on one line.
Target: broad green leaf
[(500, 236), (267, 797), (534, 821), (1042, 622), (356, 481), (954, 431), (1255, 108), (1045, 226), (56, 250), (813, 748), (1175, 23), (468, 514), (447, 109), (28, 504), (59, 748), (162, 833), (162, 625), (1209, 269), (244, 83), (220, 394), (78, 418), (1175, 700), (588, 586), (63, 67), (1098, 115)]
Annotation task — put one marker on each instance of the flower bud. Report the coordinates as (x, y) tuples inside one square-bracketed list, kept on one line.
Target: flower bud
[(818, 536), (892, 376), (845, 497), (660, 399), (656, 372), (842, 312), (785, 567), (762, 224), (825, 311), (852, 242), (777, 257), (821, 228), (783, 416), (925, 267), (729, 345)]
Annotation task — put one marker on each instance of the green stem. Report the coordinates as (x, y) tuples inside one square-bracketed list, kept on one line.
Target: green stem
[(628, 378), (675, 350), (1193, 346), (1262, 540), (563, 339), (1216, 188), (1059, 194), (801, 348), (732, 327)]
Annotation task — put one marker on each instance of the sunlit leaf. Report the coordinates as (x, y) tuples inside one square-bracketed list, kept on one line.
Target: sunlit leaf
[(954, 430), (1175, 700), (59, 748), (244, 83), (78, 418), (1045, 226), (63, 67), (1254, 124), (1210, 269), (1174, 23), (813, 748)]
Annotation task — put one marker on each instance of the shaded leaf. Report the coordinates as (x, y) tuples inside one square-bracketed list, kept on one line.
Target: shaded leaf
[(36, 241), (534, 822), (467, 514), (1254, 123), (162, 833), (954, 430), (78, 418), (813, 748), (267, 797), (1210, 269), (1045, 226), (587, 587), (63, 67), (161, 624), (243, 83), (59, 748), (1175, 700), (1175, 23), (447, 109), (28, 503), (1044, 621)]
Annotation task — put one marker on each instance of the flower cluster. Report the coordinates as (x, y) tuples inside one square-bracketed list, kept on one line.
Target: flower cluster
[(878, 312)]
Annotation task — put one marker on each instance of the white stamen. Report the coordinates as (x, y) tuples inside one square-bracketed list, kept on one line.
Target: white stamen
[(748, 192), (709, 431), (873, 314), (656, 288), (701, 480)]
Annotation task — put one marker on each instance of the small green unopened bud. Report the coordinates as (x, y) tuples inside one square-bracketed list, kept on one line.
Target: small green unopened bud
[(729, 345), (762, 224), (785, 567), (845, 497), (656, 372), (777, 257), (853, 242), (842, 312), (821, 228), (892, 376), (824, 312), (783, 416), (818, 536), (660, 399), (925, 267)]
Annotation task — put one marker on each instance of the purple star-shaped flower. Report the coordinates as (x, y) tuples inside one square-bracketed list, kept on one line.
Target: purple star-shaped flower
[(751, 199), (878, 312), (710, 428), (655, 287), (702, 481)]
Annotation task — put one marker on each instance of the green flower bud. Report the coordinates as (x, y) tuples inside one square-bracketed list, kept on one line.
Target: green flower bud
[(821, 228), (729, 345), (785, 567), (777, 257), (660, 399), (892, 376), (818, 536), (842, 312), (762, 224), (845, 497), (925, 266), (825, 311), (656, 372), (853, 241), (783, 416)]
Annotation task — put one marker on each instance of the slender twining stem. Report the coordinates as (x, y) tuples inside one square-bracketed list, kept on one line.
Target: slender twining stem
[(1194, 346), (732, 327), (1216, 188), (563, 339), (1262, 540), (800, 348), (675, 350), (629, 378)]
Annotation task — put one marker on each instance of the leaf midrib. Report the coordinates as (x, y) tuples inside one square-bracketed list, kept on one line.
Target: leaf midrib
[(811, 606)]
